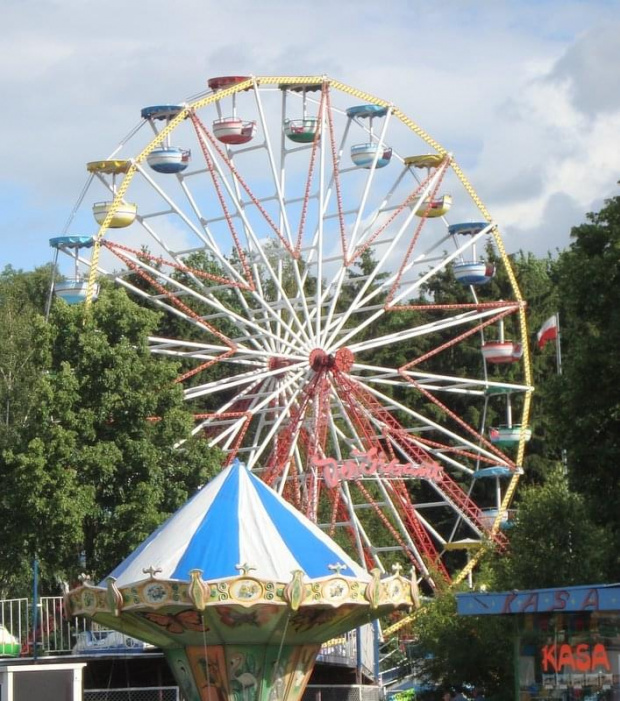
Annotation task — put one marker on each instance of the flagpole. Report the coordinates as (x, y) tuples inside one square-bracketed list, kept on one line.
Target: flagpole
[(558, 360), (558, 345)]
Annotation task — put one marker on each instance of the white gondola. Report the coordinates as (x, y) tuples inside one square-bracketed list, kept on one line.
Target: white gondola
[(473, 273), (502, 351), (168, 159), (233, 130), (363, 155), (489, 516), (302, 131), (74, 290), (509, 435), (435, 207)]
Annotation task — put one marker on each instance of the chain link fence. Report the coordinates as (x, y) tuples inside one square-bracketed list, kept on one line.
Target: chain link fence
[(344, 692), (160, 693)]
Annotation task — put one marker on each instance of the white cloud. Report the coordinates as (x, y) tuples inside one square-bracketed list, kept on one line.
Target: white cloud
[(524, 94)]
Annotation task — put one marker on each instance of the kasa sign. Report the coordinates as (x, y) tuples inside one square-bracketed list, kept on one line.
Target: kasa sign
[(575, 658)]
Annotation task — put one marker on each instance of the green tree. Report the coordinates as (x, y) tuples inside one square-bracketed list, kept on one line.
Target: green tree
[(554, 541), (587, 410), (455, 650), (23, 348), (106, 452)]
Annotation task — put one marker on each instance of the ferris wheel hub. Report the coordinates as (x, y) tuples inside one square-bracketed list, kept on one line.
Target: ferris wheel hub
[(320, 359), (342, 360)]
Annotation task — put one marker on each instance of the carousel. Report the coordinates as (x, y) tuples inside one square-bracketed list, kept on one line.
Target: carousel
[(240, 590)]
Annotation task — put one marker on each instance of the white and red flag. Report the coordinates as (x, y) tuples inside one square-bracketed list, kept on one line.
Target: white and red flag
[(548, 331)]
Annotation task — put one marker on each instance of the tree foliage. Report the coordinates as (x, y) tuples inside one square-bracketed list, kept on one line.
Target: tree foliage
[(554, 542), (94, 465), (587, 414), (458, 650)]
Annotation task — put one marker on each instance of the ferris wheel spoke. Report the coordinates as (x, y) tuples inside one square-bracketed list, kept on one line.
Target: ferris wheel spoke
[(253, 330), (464, 318), (424, 422), (282, 209), (289, 408), (222, 385), (367, 293), (255, 244), (202, 233), (407, 289)]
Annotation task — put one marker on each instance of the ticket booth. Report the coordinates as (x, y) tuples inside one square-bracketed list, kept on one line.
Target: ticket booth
[(57, 681), (567, 640)]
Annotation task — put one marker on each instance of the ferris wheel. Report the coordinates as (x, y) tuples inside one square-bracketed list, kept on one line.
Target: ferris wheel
[(330, 283)]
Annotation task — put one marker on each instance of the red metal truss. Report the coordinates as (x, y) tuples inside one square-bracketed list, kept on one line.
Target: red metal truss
[(281, 454), (442, 482)]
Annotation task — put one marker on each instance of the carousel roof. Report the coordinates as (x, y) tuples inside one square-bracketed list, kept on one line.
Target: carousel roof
[(236, 521)]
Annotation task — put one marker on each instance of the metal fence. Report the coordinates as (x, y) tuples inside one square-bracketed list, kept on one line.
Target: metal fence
[(54, 633), (14, 616), (341, 692), (160, 693)]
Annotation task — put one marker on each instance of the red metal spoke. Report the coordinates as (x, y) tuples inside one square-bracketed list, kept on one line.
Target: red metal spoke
[(406, 203), (311, 164), (514, 307), (336, 172), (202, 130), (183, 307), (159, 260), (232, 451)]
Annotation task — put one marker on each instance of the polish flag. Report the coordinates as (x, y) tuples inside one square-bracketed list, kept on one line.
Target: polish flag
[(548, 331)]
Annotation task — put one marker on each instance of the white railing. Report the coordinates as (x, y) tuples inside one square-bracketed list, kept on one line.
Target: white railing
[(53, 633), (344, 650)]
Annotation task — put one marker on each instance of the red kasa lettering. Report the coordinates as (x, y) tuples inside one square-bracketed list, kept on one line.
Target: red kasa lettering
[(579, 658)]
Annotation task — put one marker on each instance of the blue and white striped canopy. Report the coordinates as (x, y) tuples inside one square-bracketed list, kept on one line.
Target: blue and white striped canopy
[(236, 519)]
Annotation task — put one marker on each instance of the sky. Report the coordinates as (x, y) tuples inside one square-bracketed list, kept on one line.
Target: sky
[(524, 93)]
